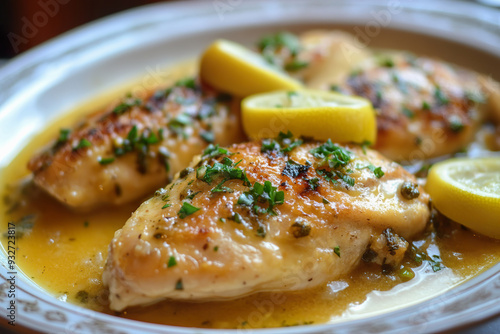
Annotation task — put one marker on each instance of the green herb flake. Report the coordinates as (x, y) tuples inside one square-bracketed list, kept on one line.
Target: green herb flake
[(436, 263), (325, 201), (336, 250), (440, 96), (105, 161), (216, 248), (86, 223), (408, 112), (213, 151), (84, 143), (186, 210), (166, 206), (386, 62), (284, 143), (313, 183), (364, 145), (335, 88), (262, 193), (126, 105), (207, 136), (63, 136), (171, 262), (189, 82), (456, 124), (296, 65), (273, 43), (179, 285), (426, 106), (191, 196)]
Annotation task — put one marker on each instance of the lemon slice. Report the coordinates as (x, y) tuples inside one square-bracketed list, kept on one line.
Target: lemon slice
[(235, 69), (468, 191), (311, 113)]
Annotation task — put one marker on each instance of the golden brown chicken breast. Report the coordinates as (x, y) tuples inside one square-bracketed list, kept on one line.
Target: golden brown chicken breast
[(280, 215), (426, 108), (127, 151)]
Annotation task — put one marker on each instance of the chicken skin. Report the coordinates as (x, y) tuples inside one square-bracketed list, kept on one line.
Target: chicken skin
[(276, 215), (425, 107), (126, 152)]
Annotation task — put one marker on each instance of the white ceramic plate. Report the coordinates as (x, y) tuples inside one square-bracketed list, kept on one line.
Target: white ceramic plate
[(39, 85)]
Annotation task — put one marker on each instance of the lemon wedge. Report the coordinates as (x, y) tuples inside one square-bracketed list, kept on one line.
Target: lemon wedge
[(235, 69), (468, 191), (311, 113)]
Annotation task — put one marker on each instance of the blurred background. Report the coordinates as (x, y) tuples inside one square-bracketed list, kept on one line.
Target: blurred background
[(27, 23)]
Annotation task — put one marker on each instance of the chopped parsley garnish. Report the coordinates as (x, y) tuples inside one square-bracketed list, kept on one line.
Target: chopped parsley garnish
[(296, 65), (126, 106), (282, 144), (272, 43), (386, 62), (140, 142), (325, 201), (171, 262), (456, 124), (376, 170), (207, 136), (331, 154), (336, 250), (186, 210), (82, 144), (63, 137), (440, 96), (435, 262), (408, 112), (260, 194), (336, 158), (313, 183), (365, 144), (426, 105), (86, 223), (335, 175), (105, 161), (164, 195), (226, 170), (335, 88), (179, 285), (294, 169), (186, 82), (216, 248), (213, 151), (419, 256), (191, 196)]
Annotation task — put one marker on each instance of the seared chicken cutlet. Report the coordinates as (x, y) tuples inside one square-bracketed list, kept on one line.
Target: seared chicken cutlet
[(425, 107), (280, 215), (128, 151)]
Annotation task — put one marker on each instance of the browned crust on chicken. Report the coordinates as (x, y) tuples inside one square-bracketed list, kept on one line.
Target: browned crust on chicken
[(125, 152), (233, 244)]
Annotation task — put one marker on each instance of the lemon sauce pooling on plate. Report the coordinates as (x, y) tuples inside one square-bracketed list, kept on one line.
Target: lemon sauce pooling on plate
[(64, 253)]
